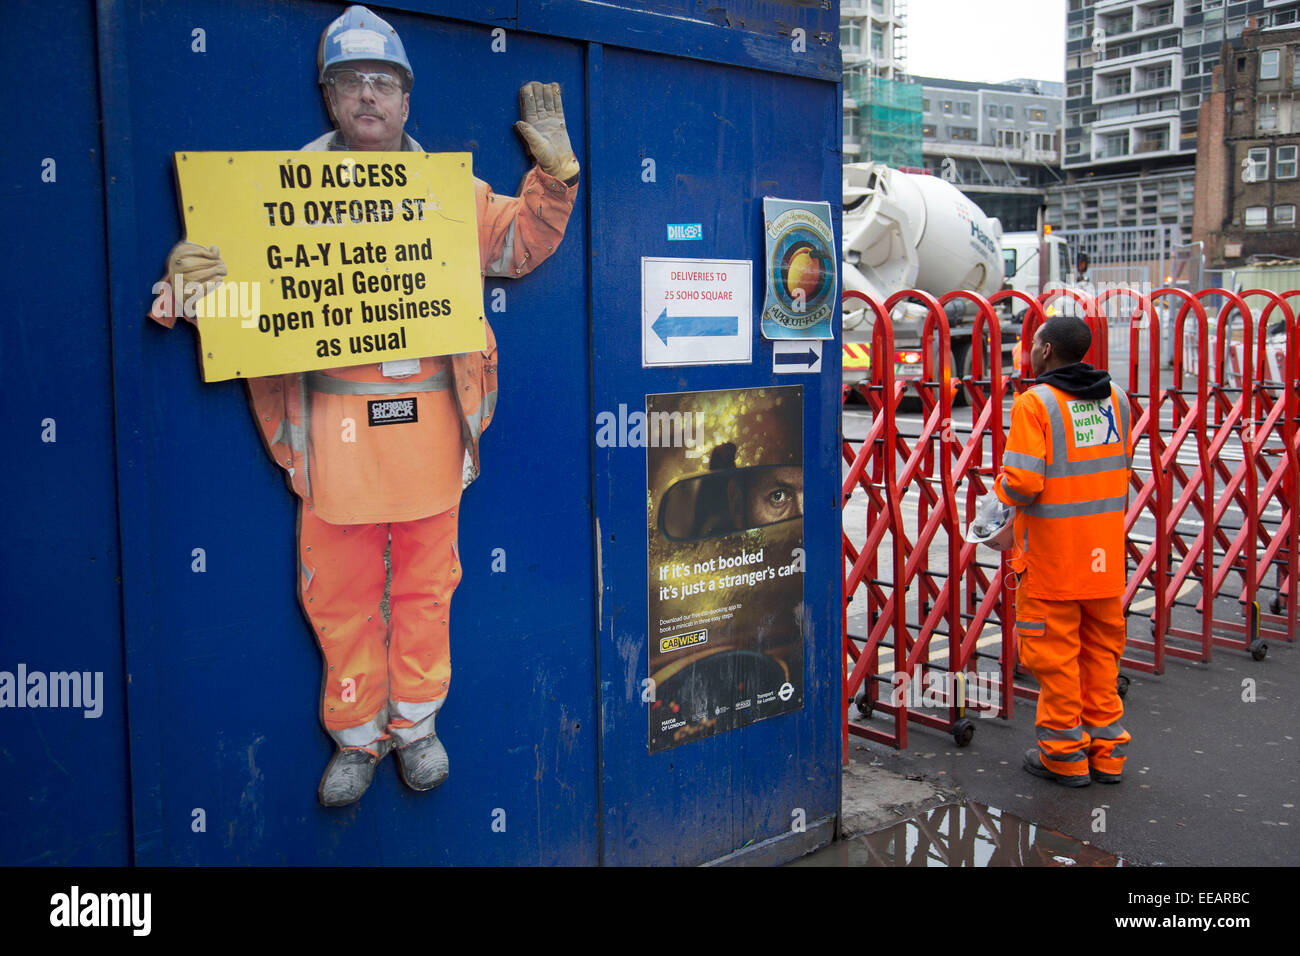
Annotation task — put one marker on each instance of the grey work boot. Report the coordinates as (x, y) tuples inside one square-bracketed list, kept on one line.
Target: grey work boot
[(424, 763), (348, 775)]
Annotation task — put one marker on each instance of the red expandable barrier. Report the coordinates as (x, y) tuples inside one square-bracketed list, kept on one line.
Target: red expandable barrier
[(1226, 445)]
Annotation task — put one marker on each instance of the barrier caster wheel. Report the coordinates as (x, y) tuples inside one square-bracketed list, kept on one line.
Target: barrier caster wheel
[(1275, 606), (1121, 686), (1259, 649), (963, 732), (863, 705)]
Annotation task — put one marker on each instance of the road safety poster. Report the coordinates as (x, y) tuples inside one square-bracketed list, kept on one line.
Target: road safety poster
[(333, 260), (725, 559), (801, 270)]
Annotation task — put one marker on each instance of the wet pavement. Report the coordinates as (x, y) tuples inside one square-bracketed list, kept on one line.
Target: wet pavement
[(962, 834)]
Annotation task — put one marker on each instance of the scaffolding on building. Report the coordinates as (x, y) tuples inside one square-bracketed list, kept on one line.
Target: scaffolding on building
[(900, 38), (889, 117)]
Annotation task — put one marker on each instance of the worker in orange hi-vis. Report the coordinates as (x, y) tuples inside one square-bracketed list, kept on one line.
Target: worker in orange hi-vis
[(1066, 471), (395, 484)]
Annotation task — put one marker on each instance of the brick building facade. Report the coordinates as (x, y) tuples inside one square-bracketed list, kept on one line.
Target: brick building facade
[(1248, 152)]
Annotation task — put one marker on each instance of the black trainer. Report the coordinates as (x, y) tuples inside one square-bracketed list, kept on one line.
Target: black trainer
[(1034, 764), (1100, 777)]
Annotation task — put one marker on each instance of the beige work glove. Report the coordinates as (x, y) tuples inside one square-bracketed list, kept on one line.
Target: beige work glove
[(542, 128), (188, 262)]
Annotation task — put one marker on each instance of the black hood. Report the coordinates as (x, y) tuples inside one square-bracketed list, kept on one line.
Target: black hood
[(1079, 379)]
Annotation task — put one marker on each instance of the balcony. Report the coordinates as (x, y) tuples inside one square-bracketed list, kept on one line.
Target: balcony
[(1151, 146)]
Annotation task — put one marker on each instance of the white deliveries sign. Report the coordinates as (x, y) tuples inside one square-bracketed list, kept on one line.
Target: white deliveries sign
[(696, 311)]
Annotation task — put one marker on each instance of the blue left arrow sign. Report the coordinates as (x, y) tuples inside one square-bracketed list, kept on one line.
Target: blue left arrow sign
[(684, 326)]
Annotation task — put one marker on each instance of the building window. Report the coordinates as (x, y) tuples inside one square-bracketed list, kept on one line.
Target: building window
[(1008, 112), (1191, 101), (925, 105), (964, 109), (1073, 149), (1008, 138), (929, 131), (947, 107), (1284, 215), (1286, 162), (1112, 146), (1044, 142), (1036, 116), (1257, 165), (1256, 217), (1270, 64), (1267, 115), (851, 125), (1116, 85), (963, 132), (992, 110), (1075, 90)]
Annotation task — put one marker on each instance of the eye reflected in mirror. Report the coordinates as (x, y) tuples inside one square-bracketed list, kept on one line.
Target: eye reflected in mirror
[(734, 499)]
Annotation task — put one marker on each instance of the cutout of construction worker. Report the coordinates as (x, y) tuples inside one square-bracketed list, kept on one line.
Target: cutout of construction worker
[(397, 486), (1066, 470)]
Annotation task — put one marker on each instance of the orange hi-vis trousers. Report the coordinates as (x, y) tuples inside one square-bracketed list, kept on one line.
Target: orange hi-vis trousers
[(1073, 649), (381, 680)]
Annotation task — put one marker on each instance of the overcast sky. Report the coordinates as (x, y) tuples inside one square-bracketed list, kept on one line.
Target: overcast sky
[(986, 40)]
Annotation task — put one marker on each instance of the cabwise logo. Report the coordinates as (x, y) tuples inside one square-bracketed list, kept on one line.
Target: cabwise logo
[(678, 641), (685, 230)]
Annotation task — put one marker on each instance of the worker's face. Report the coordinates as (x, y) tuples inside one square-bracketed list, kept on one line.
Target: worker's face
[(765, 496), (368, 119), (1039, 353)]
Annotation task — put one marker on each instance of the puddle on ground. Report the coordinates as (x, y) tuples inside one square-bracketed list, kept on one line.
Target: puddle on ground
[(962, 834)]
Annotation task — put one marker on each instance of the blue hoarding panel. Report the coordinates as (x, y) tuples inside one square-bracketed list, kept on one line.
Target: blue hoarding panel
[(708, 159), (154, 541), (230, 675), (65, 798)]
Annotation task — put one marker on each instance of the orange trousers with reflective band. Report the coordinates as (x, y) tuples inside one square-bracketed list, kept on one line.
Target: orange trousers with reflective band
[(369, 663), (1073, 649)]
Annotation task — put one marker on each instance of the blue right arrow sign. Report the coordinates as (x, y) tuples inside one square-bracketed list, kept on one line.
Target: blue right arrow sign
[(796, 355)]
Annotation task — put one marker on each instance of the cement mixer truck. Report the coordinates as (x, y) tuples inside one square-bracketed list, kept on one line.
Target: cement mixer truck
[(912, 231)]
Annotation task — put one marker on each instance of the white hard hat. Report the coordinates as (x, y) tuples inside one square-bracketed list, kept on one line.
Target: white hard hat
[(993, 525)]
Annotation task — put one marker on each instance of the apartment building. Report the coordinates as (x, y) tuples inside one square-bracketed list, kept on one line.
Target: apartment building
[(1000, 143), (882, 119), (1248, 152), (1136, 74)]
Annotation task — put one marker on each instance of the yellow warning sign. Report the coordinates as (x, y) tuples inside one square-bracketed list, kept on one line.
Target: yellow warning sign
[(333, 259)]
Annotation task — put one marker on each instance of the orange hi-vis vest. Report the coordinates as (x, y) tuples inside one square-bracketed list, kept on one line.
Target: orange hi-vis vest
[(1066, 470)]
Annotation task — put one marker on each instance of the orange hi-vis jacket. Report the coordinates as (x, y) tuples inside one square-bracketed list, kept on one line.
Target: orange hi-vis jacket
[(1065, 469), (516, 233)]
